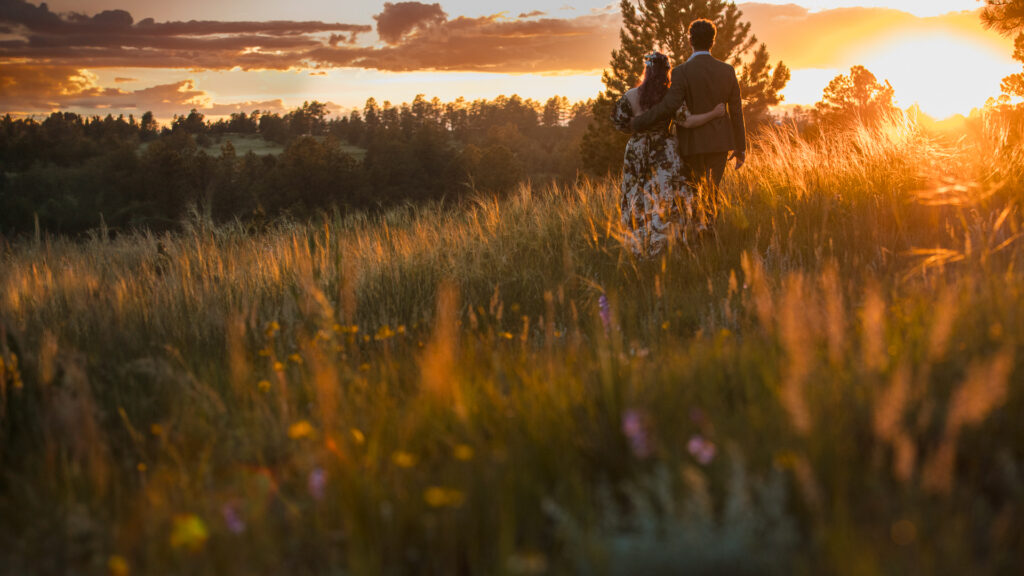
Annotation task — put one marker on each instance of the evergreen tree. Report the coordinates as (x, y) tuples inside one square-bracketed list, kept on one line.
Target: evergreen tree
[(857, 97), (663, 25), (1007, 17)]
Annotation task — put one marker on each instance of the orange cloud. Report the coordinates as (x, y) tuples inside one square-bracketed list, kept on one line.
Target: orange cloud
[(37, 88)]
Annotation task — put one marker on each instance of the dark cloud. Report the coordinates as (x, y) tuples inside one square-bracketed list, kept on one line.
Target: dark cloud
[(112, 38), (419, 37), (533, 14), (491, 44), (397, 20)]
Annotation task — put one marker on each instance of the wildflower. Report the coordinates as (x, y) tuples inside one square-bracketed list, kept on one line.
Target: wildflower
[(463, 452), (401, 329), (403, 459), (141, 467), (264, 352), (634, 426), (364, 367), (605, 311), (441, 497), (295, 359), (384, 333), (278, 367), (507, 335), (272, 328), (117, 566), (665, 325), (317, 483), (264, 385), (358, 437), (156, 430), (188, 531), (232, 519), (300, 429), (701, 449)]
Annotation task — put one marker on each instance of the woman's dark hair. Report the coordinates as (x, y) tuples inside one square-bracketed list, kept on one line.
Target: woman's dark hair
[(656, 82)]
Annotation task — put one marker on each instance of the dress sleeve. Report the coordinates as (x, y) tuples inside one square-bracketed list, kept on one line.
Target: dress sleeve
[(622, 114)]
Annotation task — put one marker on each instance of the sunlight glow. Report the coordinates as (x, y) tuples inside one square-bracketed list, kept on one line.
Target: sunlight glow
[(945, 74)]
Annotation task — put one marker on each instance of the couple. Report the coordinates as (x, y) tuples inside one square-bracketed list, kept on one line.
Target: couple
[(662, 173)]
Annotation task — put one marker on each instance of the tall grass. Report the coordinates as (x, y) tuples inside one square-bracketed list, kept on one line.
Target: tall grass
[(826, 383)]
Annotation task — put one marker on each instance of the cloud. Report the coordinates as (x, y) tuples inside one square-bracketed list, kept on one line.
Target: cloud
[(490, 44), (533, 14), (43, 88), (113, 39), (418, 36), (397, 20), (837, 38)]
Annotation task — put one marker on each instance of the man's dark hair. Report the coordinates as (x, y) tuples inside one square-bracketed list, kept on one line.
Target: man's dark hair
[(702, 34)]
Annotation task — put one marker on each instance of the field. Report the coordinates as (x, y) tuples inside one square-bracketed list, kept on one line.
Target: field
[(829, 383), (245, 143)]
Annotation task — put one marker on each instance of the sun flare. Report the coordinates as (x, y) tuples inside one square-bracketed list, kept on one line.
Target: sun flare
[(945, 74)]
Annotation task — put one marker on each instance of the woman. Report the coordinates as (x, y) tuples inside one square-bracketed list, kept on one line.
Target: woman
[(654, 186)]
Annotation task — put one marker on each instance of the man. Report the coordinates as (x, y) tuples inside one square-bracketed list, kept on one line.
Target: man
[(702, 82)]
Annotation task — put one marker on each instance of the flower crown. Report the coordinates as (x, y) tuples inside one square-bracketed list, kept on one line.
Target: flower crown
[(653, 57)]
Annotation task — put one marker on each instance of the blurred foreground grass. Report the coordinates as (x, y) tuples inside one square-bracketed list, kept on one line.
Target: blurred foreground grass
[(827, 384)]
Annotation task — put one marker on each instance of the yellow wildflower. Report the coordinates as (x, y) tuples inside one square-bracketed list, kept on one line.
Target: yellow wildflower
[(265, 352), (441, 497), (401, 329), (188, 531), (507, 335), (156, 430), (665, 325), (264, 385), (117, 566), (403, 459), (463, 452), (384, 333), (300, 429), (295, 359), (141, 467), (278, 367), (358, 437)]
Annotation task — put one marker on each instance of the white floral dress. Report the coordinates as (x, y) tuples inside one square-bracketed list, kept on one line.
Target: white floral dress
[(655, 192)]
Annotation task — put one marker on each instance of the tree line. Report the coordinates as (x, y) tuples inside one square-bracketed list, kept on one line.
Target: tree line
[(68, 171)]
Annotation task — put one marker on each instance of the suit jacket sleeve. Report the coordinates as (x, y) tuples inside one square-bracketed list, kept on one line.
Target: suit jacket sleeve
[(739, 133), (668, 105)]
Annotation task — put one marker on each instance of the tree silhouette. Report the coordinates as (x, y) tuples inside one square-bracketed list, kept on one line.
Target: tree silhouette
[(859, 96), (663, 24), (1007, 18)]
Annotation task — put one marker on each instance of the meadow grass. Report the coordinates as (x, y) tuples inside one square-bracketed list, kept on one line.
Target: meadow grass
[(824, 384)]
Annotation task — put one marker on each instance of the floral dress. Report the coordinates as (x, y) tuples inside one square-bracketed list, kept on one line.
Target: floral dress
[(655, 192)]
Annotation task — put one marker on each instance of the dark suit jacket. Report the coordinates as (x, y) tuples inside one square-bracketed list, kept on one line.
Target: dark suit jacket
[(702, 83)]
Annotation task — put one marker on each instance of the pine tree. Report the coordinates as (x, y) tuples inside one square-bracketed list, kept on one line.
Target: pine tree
[(1007, 18), (662, 24)]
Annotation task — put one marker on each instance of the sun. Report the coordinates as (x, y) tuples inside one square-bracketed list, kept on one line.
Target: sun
[(946, 74)]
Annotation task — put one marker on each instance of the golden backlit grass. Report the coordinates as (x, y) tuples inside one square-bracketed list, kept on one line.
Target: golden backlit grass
[(828, 383)]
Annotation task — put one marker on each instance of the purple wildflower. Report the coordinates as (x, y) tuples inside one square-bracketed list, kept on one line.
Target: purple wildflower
[(701, 449), (634, 426), (317, 483), (232, 519), (605, 311)]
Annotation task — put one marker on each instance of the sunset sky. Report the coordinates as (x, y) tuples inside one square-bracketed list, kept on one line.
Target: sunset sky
[(95, 56)]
